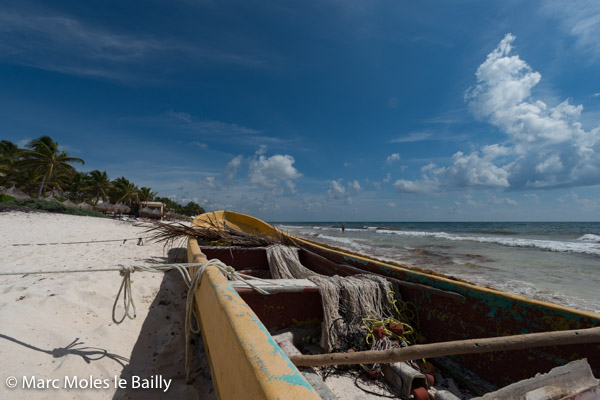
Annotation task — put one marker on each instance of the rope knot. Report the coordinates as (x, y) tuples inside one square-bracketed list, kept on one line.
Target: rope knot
[(126, 270)]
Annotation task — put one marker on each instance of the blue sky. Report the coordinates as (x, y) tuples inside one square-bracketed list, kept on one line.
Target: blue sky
[(324, 110)]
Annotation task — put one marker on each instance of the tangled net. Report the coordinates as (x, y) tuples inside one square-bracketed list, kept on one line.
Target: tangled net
[(360, 312)]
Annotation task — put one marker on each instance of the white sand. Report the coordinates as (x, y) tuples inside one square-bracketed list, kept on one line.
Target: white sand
[(40, 315)]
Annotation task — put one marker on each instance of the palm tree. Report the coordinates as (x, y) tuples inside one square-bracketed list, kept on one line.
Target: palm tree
[(146, 194), (76, 187), (47, 160), (98, 185), (9, 155), (125, 191)]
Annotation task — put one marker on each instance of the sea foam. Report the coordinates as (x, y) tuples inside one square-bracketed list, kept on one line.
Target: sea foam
[(585, 245)]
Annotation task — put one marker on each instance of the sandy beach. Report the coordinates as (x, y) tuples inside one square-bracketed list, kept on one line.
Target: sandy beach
[(57, 337)]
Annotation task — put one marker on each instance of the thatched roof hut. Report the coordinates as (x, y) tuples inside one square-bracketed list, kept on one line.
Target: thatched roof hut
[(14, 192), (152, 209), (85, 206), (122, 208), (69, 203), (103, 207), (51, 198)]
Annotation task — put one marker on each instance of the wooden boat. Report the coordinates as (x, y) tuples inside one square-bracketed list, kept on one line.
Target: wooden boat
[(246, 361)]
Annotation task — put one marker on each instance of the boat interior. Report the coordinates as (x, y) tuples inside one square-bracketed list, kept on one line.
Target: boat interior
[(295, 304)]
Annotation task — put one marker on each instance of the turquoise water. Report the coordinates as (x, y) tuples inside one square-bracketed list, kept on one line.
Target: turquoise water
[(555, 262)]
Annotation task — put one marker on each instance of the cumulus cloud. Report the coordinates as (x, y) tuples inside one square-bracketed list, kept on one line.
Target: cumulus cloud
[(550, 145), (272, 171), (420, 187), (392, 158), (338, 191), (354, 186), (546, 147)]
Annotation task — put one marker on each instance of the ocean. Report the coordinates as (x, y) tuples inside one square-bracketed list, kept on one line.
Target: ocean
[(558, 262)]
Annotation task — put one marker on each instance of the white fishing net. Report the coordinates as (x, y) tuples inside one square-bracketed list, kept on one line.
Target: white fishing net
[(346, 300)]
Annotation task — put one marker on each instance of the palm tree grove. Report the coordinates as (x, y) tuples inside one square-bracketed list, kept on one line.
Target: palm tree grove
[(42, 170)]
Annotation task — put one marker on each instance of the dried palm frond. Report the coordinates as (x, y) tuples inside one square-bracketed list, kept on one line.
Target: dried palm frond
[(212, 231)]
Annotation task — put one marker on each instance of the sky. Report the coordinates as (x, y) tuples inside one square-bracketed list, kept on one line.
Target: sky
[(325, 110)]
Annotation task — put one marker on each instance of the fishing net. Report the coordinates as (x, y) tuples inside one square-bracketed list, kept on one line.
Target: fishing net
[(353, 306)]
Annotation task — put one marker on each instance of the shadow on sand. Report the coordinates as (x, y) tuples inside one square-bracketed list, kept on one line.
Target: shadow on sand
[(88, 354), (160, 348)]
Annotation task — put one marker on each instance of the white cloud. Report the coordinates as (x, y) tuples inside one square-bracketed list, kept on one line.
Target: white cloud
[(338, 191), (392, 159), (420, 187), (533, 197), (502, 201), (272, 171), (466, 171), (262, 149), (209, 182), (586, 205), (200, 145), (232, 167), (546, 146), (354, 186), (74, 46), (474, 171), (412, 137), (549, 145), (580, 19)]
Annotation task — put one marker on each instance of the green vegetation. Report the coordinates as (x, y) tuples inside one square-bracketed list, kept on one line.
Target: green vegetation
[(49, 206), (5, 197), (190, 208), (43, 169)]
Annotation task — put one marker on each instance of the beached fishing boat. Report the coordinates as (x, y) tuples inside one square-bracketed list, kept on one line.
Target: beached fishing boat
[(249, 360)]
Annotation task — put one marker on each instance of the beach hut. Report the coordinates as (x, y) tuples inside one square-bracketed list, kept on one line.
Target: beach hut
[(69, 203), (51, 198), (103, 207), (152, 209), (122, 208), (85, 206), (16, 193)]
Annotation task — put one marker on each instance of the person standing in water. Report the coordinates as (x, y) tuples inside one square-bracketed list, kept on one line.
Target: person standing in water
[(343, 228)]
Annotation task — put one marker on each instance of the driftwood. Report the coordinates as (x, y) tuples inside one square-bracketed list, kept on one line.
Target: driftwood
[(470, 346)]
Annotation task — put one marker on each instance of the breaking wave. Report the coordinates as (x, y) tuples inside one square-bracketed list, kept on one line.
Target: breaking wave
[(587, 244)]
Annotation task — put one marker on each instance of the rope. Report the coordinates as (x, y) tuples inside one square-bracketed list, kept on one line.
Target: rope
[(139, 243), (192, 283)]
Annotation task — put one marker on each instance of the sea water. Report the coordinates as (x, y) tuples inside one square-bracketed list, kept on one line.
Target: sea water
[(558, 262)]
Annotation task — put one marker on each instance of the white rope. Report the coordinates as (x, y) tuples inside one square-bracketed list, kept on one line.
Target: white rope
[(192, 283)]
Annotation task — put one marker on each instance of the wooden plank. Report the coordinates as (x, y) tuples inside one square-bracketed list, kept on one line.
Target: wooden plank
[(278, 285)]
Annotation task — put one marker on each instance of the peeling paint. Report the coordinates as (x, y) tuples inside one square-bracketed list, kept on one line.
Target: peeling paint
[(295, 378)]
